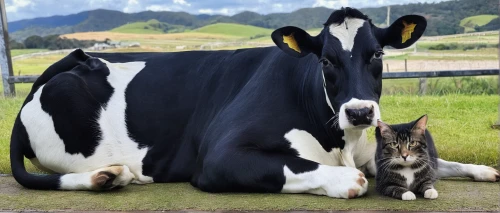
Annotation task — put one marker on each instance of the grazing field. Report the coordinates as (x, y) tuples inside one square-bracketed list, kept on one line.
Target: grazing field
[(479, 20), (152, 26), (239, 30), (17, 52)]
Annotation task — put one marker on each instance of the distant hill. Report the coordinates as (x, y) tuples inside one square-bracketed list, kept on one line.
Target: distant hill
[(443, 18), (152, 26), (235, 30), (470, 23)]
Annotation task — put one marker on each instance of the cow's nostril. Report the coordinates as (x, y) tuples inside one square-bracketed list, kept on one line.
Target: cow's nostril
[(349, 112), (370, 113)]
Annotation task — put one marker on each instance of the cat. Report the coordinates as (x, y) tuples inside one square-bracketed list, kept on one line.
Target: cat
[(406, 160)]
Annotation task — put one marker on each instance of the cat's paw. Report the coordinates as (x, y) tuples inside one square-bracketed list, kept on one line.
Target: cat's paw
[(431, 194), (408, 196)]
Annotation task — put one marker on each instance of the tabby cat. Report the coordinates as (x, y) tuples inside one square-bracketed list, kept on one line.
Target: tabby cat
[(406, 160)]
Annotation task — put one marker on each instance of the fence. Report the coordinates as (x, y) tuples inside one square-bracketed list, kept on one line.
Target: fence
[(11, 80)]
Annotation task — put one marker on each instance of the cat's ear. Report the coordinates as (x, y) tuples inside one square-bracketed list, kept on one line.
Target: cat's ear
[(385, 130), (420, 125)]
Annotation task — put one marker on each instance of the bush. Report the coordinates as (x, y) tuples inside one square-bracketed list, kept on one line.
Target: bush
[(13, 44)]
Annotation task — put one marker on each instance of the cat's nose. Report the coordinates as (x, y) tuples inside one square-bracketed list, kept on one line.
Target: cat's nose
[(404, 156)]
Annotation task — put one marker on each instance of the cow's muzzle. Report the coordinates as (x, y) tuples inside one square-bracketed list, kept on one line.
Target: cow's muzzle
[(358, 114)]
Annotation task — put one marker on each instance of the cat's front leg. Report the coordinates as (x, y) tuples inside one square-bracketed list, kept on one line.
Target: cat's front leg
[(428, 190), (398, 192)]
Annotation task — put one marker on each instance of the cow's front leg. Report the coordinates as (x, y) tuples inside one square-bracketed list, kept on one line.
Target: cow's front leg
[(476, 172), (256, 171)]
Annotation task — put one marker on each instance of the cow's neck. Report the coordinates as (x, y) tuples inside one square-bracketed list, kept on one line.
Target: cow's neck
[(314, 101)]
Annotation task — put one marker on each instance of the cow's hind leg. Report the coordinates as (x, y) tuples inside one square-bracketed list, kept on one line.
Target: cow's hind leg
[(102, 179), (476, 172), (255, 171)]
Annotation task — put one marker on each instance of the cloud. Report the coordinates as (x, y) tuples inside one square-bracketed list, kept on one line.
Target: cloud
[(158, 8), (132, 6), (182, 2), (12, 7), (25, 9)]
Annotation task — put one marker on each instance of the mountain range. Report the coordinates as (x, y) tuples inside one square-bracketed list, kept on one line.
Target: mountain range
[(443, 18)]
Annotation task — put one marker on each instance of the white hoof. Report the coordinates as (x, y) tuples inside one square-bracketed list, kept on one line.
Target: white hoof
[(111, 177), (431, 194), (408, 196)]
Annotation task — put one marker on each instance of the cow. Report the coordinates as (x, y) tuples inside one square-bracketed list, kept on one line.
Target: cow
[(290, 118)]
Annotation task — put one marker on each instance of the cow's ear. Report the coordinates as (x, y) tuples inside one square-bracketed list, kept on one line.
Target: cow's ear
[(295, 41), (403, 32)]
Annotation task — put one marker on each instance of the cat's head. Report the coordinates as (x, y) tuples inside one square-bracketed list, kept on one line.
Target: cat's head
[(403, 144)]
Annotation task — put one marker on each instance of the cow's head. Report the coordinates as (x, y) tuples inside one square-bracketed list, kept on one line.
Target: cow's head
[(350, 51)]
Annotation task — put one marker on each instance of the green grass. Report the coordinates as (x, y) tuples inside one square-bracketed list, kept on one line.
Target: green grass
[(152, 26), (479, 20), (454, 195), (239, 30), (17, 52)]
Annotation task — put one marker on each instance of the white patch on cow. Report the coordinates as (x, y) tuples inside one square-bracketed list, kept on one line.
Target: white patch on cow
[(309, 148), (355, 103), (326, 94), (325, 180), (346, 31), (115, 146), (357, 151), (477, 172)]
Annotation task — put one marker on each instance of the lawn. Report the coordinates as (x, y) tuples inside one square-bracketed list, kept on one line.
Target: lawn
[(454, 195)]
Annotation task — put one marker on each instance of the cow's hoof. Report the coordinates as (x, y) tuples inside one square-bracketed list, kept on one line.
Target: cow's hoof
[(112, 177), (409, 196), (485, 173), (431, 194), (353, 182)]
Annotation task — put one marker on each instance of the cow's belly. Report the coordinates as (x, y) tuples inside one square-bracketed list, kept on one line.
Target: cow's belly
[(113, 147)]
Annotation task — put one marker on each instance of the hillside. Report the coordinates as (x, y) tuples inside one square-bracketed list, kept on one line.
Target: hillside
[(443, 18), (235, 30), (469, 24), (152, 26)]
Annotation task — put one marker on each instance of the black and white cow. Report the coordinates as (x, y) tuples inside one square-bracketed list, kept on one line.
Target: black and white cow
[(288, 119)]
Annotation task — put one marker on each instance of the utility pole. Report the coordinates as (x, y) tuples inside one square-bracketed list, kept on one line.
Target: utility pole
[(388, 16), (5, 60)]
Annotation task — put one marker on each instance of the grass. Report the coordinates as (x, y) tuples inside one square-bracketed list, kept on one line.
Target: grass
[(152, 26), (454, 195), (17, 52), (479, 20), (239, 30)]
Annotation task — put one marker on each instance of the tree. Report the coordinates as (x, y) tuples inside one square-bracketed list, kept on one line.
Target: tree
[(34, 42)]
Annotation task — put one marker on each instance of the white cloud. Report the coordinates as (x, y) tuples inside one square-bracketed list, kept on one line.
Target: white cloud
[(157, 8), (17, 4), (132, 6), (223, 11), (325, 3), (182, 2)]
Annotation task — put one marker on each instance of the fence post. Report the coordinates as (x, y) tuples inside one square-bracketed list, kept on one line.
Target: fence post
[(406, 66), (422, 88), (5, 60), (387, 67)]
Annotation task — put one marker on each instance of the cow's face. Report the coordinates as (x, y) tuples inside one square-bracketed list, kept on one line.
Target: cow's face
[(350, 51)]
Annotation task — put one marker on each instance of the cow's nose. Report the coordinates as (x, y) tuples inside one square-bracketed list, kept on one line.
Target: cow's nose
[(360, 116)]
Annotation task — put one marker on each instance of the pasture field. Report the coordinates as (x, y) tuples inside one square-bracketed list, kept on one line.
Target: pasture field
[(17, 52), (245, 31), (479, 20)]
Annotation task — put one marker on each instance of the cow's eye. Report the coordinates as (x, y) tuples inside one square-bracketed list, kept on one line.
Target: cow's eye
[(325, 62), (377, 55)]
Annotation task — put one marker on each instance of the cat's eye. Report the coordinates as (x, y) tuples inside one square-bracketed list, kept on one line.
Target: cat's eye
[(394, 144), (413, 143)]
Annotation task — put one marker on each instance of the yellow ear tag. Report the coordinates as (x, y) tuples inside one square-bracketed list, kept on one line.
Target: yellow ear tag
[(290, 40), (406, 32)]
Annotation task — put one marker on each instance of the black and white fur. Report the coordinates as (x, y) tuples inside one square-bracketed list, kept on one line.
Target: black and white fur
[(252, 120)]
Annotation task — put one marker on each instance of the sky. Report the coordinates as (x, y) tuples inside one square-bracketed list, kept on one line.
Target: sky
[(27, 9)]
